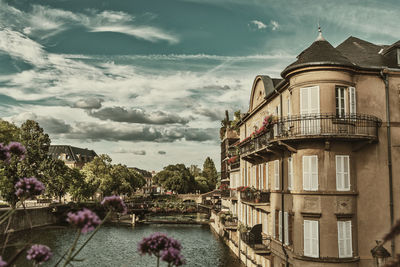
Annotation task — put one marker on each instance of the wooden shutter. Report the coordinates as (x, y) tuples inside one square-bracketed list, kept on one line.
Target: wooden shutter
[(280, 226), (307, 238), (273, 224), (306, 173), (352, 98), (315, 239), (264, 223), (314, 100), (266, 176), (276, 223), (290, 173), (304, 100), (345, 239), (276, 174), (342, 173), (291, 225), (314, 173), (286, 227)]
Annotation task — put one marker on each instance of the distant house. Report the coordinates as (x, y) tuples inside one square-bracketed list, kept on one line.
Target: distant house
[(74, 157), (149, 187)]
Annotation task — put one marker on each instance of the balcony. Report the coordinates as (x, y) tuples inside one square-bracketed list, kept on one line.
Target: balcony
[(355, 127), (255, 197), (256, 241)]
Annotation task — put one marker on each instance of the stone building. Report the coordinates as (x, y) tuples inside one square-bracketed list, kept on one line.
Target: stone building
[(74, 157), (319, 150)]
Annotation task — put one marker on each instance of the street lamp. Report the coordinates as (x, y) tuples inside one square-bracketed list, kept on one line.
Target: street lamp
[(380, 254)]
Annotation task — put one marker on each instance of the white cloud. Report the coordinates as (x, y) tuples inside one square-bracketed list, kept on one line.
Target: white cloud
[(259, 24), (275, 25), (148, 33)]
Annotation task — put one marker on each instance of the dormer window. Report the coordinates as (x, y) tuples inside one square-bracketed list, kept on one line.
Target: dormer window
[(398, 56)]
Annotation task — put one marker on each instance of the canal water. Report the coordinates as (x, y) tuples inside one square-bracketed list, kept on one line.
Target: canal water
[(117, 245)]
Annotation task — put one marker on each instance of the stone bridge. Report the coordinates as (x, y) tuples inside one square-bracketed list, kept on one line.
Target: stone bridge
[(189, 197)]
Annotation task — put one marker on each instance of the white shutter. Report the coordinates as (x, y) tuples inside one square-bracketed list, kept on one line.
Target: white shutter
[(280, 225), (266, 176), (260, 177), (307, 238), (314, 99), (314, 173), (306, 173), (342, 173), (290, 173), (315, 239), (286, 227), (264, 223), (304, 100), (353, 104), (345, 239), (276, 174), (273, 224)]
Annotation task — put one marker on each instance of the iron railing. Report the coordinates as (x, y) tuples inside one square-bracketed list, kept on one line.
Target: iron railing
[(234, 165), (225, 193), (255, 197), (354, 126)]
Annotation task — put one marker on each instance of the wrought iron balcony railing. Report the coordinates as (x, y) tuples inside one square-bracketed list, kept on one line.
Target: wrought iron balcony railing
[(255, 239), (255, 197), (354, 126)]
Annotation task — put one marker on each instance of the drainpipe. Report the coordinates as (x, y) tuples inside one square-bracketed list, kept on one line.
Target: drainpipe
[(385, 79), (282, 191)]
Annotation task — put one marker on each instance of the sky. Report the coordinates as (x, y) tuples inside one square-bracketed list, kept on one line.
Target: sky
[(147, 81)]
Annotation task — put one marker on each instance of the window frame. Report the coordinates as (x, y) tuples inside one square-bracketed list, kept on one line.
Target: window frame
[(341, 95), (341, 174), (311, 173)]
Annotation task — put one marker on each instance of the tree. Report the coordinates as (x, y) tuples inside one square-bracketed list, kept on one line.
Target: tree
[(8, 132), (210, 173), (37, 144), (201, 184), (98, 173), (56, 177), (79, 188), (176, 178)]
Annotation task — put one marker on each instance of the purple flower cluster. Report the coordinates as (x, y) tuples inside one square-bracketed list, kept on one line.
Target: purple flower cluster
[(160, 245), (29, 187), (12, 149), (2, 263), (84, 219), (173, 257), (114, 203), (39, 253)]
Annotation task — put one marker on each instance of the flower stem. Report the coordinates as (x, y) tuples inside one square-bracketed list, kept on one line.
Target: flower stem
[(158, 261), (71, 250), (91, 236)]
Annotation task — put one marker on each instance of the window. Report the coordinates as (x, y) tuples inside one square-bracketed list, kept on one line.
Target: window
[(286, 227), (342, 173), (340, 101), (311, 239), (290, 173), (310, 173), (273, 225), (276, 174), (280, 225), (398, 56), (344, 239), (309, 104), (260, 177), (264, 223)]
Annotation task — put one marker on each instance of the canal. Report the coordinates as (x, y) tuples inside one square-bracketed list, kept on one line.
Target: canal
[(117, 245)]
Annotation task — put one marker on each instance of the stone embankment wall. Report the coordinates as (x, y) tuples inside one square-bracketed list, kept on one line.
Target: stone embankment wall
[(39, 216)]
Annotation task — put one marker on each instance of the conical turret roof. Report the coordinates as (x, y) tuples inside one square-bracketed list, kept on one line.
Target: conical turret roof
[(319, 53)]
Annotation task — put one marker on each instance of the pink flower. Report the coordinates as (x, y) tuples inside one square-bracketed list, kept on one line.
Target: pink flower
[(114, 203), (84, 219), (39, 254), (29, 187)]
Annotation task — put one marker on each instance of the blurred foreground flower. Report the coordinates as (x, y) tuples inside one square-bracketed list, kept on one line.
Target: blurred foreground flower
[(85, 219), (160, 245), (16, 149), (4, 153), (173, 257), (39, 254), (29, 187), (2, 263), (114, 203)]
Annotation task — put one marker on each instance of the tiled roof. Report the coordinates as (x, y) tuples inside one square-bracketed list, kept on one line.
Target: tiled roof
[(72, 153), (321, 52)]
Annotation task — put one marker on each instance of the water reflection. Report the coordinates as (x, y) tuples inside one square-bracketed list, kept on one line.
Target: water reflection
[(117, 245)]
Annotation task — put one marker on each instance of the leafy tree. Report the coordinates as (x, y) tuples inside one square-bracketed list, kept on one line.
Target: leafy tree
[(98, 173), (8, 132), (56, 177), (210, 173), (201, 184), (37, 144), (79, 188), (176, 178), (9, 176), (194, 170)]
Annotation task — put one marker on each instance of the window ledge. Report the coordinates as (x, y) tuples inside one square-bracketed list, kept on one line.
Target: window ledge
[(327, 259), (311, 214)]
